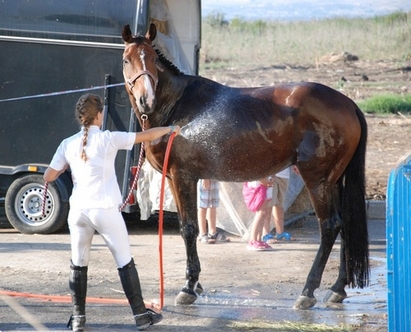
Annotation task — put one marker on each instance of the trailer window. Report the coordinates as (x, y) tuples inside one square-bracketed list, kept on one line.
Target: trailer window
[(67, 19)]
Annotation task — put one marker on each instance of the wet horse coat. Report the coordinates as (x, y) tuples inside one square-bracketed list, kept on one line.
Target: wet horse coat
[(241, 134)]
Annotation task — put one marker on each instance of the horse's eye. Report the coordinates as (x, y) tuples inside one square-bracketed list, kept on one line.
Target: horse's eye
[(125, 61)]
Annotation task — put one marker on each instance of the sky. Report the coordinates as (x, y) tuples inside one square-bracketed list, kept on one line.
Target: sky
[(300, 9)]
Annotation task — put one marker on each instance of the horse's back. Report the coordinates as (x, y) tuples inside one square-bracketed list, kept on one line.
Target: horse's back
[(278, 125), (307, 98), (311, 96), (317, 107)]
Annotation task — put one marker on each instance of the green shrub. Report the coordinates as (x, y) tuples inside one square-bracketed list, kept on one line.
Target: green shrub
[(215, 20), (238, 24), (393, 18), (386, 104)]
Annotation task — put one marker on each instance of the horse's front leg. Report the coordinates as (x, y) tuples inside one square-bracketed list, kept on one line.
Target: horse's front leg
[(192, 287), (185, 195)]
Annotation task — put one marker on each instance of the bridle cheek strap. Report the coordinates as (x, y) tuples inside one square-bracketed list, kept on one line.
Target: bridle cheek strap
[(132, 80)]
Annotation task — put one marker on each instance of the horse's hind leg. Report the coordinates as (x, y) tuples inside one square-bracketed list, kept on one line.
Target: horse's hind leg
[(336, 294), (330, 226), (307, 299)]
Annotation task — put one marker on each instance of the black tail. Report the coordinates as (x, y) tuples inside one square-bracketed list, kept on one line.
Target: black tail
[(354, 215)]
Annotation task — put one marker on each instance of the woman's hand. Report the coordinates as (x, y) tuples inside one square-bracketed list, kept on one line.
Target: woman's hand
[(268, 182), (175, 129)]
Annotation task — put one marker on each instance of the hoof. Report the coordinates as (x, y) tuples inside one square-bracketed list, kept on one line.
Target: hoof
[(334, 297), (185, 297), (199, 289), (304, 302)]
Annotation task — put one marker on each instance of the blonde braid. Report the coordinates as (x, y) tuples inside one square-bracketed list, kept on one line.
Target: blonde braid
[(84, 140), (87, 108)]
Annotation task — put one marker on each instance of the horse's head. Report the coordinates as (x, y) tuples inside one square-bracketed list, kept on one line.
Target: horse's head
[(140, 69)]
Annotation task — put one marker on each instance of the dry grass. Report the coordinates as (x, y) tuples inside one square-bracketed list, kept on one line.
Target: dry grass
[(289, 327), (244, 43)]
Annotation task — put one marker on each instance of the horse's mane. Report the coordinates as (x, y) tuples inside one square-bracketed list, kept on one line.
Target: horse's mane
[(168, 63)]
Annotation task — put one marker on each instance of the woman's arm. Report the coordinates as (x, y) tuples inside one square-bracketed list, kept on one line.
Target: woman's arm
[(51, 174), (153, 133)]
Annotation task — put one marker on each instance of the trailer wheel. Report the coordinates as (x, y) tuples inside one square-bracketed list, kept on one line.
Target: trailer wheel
[(23, 205)]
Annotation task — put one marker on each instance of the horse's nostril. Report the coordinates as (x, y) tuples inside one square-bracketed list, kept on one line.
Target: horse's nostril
[(142, 101)]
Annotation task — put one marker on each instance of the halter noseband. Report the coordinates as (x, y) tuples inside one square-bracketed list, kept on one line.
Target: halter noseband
[(132, 80)]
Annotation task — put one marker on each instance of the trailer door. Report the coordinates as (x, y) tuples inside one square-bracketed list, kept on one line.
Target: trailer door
[(178, 25)]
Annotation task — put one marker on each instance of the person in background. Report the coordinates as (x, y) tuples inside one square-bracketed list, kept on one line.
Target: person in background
[(94, 205), (262, 216), (208, 200), (280, 187)]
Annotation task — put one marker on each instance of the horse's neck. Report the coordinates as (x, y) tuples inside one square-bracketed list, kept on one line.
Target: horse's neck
[(169, 91)]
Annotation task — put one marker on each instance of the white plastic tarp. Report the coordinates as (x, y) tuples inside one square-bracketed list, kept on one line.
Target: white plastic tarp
[(232, 215)]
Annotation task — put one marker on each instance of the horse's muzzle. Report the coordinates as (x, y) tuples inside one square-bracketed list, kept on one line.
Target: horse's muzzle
[(145, 106)]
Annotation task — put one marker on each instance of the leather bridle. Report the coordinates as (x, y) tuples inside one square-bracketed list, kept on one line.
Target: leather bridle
[(133, 79)]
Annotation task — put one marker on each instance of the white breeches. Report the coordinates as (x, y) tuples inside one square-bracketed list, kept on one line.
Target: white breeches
[(109, 223)]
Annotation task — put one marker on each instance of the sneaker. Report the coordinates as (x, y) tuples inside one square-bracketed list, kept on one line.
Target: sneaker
[(205, 239), (77, 323), (269, 238), (219, 236), (265, 245), (258, 246), (146, 319), (284, 236)]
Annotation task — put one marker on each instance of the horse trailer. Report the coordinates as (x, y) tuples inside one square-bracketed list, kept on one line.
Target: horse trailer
[(52, 52)]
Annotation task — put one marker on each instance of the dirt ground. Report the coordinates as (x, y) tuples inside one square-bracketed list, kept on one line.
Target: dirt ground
[(243, 290), (388, 137), (241, 287)]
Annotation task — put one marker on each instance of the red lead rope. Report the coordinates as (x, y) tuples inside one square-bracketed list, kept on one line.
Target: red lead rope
[(139, 164), (134, 185), (160, 218)]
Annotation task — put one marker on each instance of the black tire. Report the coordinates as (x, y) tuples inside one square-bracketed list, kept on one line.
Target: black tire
[(23, 205)]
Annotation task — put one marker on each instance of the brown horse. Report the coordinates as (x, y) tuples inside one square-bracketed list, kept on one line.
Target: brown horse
[(240, 134)]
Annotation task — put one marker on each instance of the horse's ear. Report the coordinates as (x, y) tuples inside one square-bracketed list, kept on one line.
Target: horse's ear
[(152, 32), (126, 34)]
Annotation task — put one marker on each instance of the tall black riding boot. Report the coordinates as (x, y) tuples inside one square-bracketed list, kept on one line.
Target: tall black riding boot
[(78, 288), (131, 285)]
